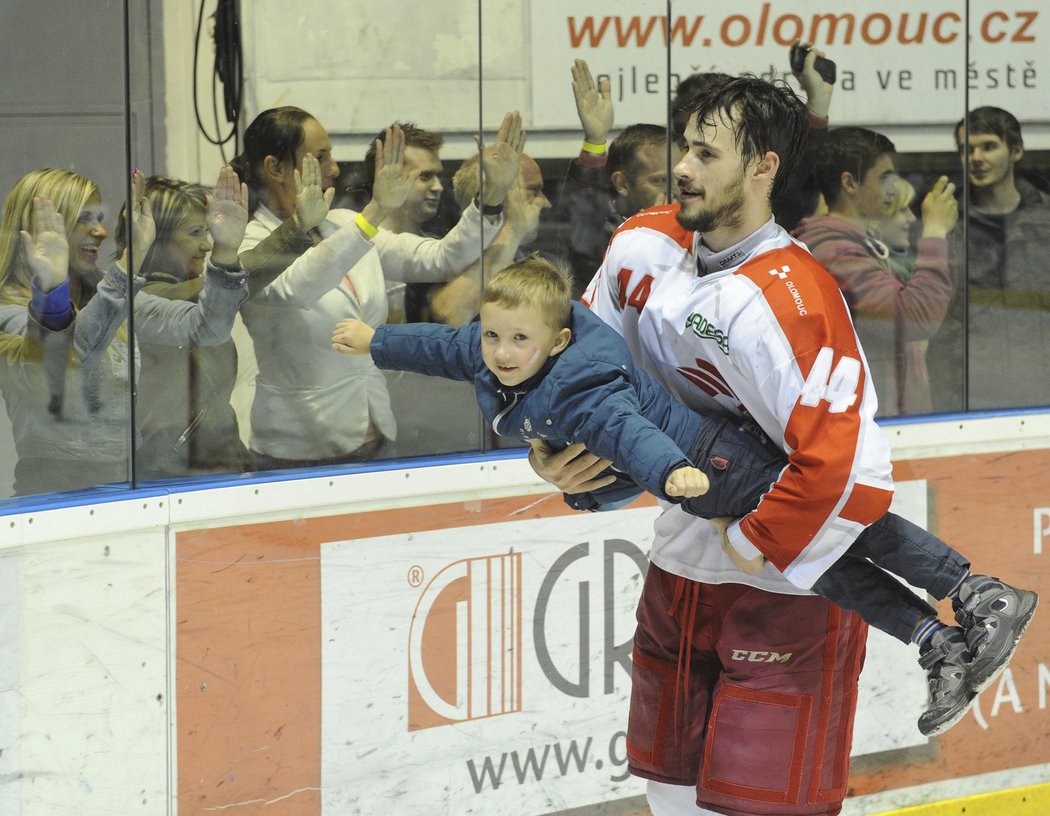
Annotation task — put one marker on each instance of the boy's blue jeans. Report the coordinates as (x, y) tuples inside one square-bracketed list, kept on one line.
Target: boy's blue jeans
[(741, 464)]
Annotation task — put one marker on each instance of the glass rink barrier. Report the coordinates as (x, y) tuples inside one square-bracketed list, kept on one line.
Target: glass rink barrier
[(270, 542)]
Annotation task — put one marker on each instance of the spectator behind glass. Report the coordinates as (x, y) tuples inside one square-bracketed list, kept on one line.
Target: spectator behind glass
[(312, 406), (1006, 347), (637, 168), (186, 422), (458, 301), (585, 202), (894, 229), (893, 317), (423, 161), (71, 423)]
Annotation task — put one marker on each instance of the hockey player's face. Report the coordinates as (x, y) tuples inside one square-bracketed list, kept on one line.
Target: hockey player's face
[(710, 178), (517, 341)]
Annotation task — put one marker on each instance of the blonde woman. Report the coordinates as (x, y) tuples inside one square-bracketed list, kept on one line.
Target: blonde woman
[(67, 378), (185, 421), (894, 229)]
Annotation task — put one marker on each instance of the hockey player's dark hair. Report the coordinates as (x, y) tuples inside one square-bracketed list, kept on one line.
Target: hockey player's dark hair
[(765, 116)]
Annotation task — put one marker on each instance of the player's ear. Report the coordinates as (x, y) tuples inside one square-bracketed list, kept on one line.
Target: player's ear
[(561, 340), (766, 168), (619, 182)]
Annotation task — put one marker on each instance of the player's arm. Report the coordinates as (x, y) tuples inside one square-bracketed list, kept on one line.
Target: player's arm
[(814, 381)]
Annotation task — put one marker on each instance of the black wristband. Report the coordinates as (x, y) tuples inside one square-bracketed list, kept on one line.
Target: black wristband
[(489, 209)]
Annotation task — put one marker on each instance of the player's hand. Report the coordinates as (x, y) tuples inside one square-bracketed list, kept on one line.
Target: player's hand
[(352, 337), (744, 565), (311, 203), (572, 470), (687, 482)]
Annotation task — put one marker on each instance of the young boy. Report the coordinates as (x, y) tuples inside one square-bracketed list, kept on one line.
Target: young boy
[(546, 368)]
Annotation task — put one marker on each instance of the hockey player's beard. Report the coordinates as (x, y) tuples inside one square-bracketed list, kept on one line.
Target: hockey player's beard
[(727, 214)]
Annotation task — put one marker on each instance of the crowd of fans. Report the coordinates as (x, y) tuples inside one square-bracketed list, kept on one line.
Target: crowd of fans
[(950, 318)]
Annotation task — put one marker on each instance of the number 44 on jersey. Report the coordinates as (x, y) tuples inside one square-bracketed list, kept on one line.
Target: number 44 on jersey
[(837, 387)]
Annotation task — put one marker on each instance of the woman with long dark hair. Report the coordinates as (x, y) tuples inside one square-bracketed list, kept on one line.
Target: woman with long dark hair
[(313, 406)]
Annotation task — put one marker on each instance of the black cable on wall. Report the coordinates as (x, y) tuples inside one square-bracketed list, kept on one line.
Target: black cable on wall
[(227, 71)]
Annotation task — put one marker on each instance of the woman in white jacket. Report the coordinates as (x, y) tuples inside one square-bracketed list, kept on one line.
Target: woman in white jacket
[(313, 406)]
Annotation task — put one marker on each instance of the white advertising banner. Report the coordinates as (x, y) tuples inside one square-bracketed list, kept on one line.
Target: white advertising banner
[(482, 670), (486, 669), (898, 61)]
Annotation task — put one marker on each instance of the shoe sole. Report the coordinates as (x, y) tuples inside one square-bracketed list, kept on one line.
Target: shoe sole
[(997, 668), (944, 725)]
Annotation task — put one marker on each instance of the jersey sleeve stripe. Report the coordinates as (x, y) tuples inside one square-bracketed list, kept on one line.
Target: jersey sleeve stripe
[(800, 522)]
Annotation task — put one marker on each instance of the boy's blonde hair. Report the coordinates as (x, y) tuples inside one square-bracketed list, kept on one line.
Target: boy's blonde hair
[(533, 281)]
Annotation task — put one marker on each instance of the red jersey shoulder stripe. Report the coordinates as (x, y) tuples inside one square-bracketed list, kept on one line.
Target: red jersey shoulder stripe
[(662, 219), (812, 315)]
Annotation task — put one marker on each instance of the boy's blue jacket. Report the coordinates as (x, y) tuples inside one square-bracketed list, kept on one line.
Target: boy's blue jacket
[(591, 393)]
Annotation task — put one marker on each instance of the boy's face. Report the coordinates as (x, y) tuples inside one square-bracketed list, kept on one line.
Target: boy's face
[(874, 194), (516, 342)]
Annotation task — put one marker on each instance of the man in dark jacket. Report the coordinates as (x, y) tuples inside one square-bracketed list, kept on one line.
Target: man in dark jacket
[(894, 317), (1006, 347)]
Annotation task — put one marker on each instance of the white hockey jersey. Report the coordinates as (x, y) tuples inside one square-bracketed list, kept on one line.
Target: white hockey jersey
[(759, 331)]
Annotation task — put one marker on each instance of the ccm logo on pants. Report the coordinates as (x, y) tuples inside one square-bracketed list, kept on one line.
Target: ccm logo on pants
[(747, 656)]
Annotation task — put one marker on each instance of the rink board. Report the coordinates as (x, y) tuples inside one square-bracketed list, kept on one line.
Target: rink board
[(327, 649)]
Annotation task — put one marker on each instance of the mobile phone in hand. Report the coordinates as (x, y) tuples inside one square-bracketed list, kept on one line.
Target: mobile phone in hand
[(823, 66)]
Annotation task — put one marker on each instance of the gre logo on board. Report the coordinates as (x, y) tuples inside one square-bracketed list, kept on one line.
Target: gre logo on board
[(465, 643)]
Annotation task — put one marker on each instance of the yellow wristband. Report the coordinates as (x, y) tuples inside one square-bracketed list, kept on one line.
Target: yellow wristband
[(590, 147), (363, 225)]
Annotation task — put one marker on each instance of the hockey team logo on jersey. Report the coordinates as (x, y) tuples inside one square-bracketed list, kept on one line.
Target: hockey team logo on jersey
[(709, 380), (706, 330), (465, 643)]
